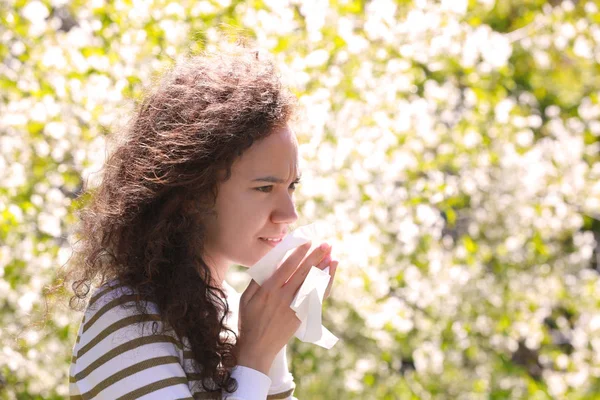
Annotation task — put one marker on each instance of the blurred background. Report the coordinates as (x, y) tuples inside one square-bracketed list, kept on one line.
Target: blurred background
[(453, 145)]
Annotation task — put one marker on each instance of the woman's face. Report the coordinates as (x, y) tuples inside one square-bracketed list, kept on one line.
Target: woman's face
[(255, 206)]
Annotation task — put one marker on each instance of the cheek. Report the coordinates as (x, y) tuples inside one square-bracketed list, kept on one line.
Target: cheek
[(242, 220), (247, 225), (242, 217)]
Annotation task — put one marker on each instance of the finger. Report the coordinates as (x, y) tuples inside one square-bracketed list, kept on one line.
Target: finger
[(249, 292), (286, 269), (313, 259), (318, 254), (324, 262), (332, 269)]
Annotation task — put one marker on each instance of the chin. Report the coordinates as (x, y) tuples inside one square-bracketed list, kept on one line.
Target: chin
[(257, 257), (248, 262), (250, 257)]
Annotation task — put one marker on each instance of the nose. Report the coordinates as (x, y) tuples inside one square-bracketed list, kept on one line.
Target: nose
[(285, 211)]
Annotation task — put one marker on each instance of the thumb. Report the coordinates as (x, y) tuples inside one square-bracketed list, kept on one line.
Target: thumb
[(250, 291)]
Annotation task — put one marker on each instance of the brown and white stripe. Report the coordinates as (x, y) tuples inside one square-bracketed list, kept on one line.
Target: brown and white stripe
[(116, 355)]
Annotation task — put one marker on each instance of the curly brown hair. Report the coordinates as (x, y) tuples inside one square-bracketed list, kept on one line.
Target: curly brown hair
[(143, 224)]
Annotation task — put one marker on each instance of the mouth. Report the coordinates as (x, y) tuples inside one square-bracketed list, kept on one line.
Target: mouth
[(271, 241)]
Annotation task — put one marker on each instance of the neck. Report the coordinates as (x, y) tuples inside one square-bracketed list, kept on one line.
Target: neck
[(218, 270)]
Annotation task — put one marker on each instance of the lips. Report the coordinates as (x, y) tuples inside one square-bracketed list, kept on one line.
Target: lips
[(271, 241)]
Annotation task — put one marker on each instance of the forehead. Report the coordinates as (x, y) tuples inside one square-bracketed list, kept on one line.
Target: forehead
[(277, 154)]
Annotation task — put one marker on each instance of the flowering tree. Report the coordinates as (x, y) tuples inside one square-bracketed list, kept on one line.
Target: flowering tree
[(452, 145)]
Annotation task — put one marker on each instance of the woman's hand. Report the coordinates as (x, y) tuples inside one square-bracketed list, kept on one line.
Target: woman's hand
[(266, 321)]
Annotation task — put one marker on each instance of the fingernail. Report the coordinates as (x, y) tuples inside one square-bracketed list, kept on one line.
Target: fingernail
[(325, 246), (327, 260)]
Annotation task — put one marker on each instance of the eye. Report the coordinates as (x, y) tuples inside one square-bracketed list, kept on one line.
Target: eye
[(294, 184), (265, 189)]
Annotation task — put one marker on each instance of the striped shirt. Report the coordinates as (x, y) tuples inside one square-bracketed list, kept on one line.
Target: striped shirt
[(116, 356)]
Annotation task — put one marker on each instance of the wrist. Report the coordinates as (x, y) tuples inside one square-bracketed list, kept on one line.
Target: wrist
[(261, 364)]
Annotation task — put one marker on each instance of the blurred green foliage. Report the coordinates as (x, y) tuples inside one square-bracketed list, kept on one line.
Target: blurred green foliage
[(453, 145)]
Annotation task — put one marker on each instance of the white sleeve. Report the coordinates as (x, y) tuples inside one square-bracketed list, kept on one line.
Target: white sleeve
[(282, 381), (251, 384), (254, 385)]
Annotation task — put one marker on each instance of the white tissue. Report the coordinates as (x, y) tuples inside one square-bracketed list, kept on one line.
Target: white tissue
[(308, 302)]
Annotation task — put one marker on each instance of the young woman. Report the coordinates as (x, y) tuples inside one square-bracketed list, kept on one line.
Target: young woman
[(203, 178)]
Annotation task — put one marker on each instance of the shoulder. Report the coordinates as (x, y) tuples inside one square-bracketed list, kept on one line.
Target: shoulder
[(117, 345), (112, 308), (112, 312)]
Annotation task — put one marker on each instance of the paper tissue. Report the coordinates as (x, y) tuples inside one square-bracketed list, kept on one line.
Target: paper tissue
[(308, 302)]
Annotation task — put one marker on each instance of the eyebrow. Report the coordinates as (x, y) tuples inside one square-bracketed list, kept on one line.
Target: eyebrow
[(273, 179)]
